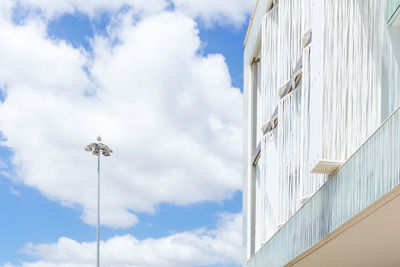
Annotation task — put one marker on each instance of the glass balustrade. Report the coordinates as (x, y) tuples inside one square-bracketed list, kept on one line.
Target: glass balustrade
[(392, 6), (371, 172)]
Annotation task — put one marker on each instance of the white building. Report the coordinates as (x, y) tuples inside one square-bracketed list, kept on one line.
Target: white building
[(321, 162)]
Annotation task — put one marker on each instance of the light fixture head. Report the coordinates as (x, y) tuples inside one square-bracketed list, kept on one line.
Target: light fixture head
[(97, 148), (92, 145)]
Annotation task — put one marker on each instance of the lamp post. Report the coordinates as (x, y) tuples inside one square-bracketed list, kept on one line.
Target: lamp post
[(97, 149)]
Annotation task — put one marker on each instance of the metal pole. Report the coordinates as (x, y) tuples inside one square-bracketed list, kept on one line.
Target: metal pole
[(98, 149), (98, 210)]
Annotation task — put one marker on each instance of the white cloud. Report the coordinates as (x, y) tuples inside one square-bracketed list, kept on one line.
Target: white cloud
[(222, 12), (5, 8), (50, 8), (170, 114), (201, 247)]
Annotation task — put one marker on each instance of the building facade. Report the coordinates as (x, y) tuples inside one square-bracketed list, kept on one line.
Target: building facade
[(321, 158)]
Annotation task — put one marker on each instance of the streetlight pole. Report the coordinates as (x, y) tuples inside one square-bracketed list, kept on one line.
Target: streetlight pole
[(97, 149), (98, 211)]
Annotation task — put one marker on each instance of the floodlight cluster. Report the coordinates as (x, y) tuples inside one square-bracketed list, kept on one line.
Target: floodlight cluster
[(97, 148)]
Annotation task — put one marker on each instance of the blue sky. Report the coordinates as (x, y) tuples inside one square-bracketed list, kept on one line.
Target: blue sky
[(181, 190)]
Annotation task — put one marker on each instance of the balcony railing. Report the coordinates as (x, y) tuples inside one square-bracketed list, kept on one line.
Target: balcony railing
[(392, 7), (371, 172)]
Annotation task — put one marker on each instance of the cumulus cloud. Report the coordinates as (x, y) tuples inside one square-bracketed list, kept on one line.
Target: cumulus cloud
[(222, 12), (169, 113), (200, 247), (5, 9), (50, 9)]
